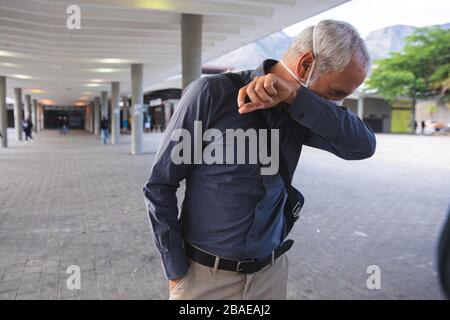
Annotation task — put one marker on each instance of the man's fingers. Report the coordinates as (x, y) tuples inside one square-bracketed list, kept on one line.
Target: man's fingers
[(269, 85), (254, 98), (249, 107), (261, 92), (241, 96), (173, 283)]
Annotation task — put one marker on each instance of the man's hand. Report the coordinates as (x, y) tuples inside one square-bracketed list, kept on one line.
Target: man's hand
[(266, 92), (173, 283)]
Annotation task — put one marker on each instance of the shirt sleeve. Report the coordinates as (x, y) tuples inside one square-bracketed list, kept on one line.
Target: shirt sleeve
[(332, 128), (165, 177)]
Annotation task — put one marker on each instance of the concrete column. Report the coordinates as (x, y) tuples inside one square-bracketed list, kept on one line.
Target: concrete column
[(97, 115), (18, 117), (28, 107), (87, 121), (115, 113), (41, 117), (191, 47), (3, 113), (38, 117), (104, 102), (360, 109), (125, 109), (86, 117), (91, 123), (34, 117), (137, 99), (89, 116)]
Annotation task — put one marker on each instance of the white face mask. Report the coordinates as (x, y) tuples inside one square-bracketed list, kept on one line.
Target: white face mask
[(339, 103), (308, 80)]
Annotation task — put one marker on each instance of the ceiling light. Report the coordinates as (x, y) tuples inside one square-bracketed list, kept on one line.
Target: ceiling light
[(92, 85), (106, 70), (20, 76), (7, 53), (37, 91), (47, 102), (113, 61), (96, 80), (8, 64), (155, 5)]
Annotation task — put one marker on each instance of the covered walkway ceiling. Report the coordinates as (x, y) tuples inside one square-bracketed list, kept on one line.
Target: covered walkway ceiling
[(39, 54)]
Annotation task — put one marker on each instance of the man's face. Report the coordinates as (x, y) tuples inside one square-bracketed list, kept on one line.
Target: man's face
[(339, 85)]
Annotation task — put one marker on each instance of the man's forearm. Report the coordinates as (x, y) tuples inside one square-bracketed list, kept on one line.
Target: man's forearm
[(335, 129), (162, 208)]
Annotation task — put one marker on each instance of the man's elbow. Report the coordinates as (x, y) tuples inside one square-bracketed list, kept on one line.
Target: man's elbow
[(149, 190), (365, 149), (372, 145)]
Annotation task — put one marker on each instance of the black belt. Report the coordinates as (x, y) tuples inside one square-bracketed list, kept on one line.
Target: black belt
[(245, 267)]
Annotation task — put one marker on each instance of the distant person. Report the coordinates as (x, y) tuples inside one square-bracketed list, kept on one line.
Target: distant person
[(104, 126), (65, 125), (27, 125), (125, 124), (149, 121), (59, 124), (415, 126), (422, 124), (154, 122)]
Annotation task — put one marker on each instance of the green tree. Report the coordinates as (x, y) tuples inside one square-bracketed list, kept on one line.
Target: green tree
[(420, 70)]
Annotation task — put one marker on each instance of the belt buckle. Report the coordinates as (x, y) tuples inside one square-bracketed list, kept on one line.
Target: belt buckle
[(248, 262)]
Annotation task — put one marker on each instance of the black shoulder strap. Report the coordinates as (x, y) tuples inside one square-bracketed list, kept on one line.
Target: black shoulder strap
[(293, 206)]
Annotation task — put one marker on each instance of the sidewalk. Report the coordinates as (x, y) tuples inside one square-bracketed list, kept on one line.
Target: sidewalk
[(69, 200)]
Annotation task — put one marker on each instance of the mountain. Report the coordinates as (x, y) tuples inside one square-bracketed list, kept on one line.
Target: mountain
[(380, 44), (250, 56)]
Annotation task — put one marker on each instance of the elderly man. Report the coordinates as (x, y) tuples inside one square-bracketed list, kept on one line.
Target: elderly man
[(229, 241)]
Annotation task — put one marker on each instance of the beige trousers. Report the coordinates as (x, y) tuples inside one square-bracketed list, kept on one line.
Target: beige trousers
[(204, 283)]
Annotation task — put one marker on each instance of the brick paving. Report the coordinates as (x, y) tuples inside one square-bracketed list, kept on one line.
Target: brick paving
[(68, 200)]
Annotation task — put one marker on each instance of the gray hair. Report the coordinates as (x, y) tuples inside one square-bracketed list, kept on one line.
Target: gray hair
[(337, 43)]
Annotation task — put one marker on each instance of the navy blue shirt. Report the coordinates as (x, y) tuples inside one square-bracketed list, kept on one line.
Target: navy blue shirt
[(231, 210)]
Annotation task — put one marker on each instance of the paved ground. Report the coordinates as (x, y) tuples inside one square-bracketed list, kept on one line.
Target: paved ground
[(68, 200)]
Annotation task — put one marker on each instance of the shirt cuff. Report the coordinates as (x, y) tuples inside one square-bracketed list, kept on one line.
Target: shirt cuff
[(175, 263), (307, 107)]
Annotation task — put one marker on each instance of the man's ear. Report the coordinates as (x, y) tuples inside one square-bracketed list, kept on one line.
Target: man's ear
[(304, 64)]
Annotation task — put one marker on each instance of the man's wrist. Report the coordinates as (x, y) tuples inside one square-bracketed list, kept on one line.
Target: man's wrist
[(293, 95), (175, 263)]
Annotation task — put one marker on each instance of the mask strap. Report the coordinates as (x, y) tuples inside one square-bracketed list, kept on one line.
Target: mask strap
[(313, 64), (291, 72)]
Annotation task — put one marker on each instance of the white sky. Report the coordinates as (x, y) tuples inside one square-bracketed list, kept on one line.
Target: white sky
[(370, 15)]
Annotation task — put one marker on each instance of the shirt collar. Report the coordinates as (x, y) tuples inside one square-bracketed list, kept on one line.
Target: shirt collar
[(263, 68)]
